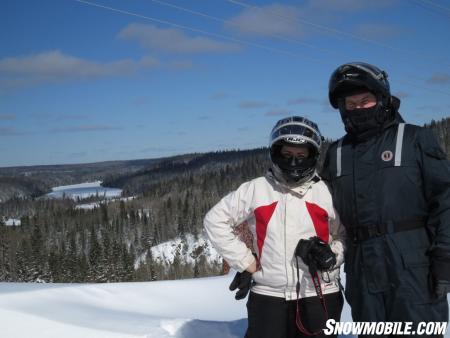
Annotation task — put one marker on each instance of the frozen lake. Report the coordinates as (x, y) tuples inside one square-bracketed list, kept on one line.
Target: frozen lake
[(84, 190)]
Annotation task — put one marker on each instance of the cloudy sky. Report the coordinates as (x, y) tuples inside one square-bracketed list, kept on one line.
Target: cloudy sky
[(88, 81)]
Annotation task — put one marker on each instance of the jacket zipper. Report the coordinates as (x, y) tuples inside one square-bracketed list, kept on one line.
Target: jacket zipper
[(285, 244)]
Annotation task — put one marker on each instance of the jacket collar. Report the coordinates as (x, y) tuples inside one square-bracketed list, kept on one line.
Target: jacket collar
[(298, 190)]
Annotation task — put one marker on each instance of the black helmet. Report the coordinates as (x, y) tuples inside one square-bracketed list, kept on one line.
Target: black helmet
[(357, 76), (295, 131)]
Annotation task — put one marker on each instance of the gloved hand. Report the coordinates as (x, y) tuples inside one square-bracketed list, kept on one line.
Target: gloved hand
[(440, 272), (243, 282), (441, 288), (316, 254)]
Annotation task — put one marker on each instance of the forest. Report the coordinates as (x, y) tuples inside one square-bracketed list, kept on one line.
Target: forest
[(58, 242)]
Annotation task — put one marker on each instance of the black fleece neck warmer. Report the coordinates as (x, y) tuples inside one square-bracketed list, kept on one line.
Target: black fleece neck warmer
[(365, 123)]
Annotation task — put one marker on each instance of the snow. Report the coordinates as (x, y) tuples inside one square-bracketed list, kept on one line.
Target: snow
[(87, 206), (12, 222), (93, 205), (94, 184), (166, 252), (148, 309), (84, 190), (192, 308)]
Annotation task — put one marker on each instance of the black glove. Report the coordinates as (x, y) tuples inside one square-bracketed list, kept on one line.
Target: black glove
[(243, 282), (440, 272), (441, 288), (316, 254)]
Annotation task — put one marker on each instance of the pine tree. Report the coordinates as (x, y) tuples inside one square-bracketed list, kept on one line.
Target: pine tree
[(95, 256), (39, 270), (5, 257)]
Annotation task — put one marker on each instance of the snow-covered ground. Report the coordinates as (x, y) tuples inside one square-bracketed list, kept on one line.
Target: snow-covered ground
[(84, 190), (152, 309), (187, 249), (88, 206), (193, 308), (12, 222)]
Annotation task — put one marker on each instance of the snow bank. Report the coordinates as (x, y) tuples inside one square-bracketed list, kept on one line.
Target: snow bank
[(151, 309)]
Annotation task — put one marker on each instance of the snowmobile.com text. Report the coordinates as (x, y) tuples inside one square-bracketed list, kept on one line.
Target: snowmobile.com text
[(384, 328)]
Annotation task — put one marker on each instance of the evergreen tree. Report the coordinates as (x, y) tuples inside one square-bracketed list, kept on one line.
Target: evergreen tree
[(95, 255)]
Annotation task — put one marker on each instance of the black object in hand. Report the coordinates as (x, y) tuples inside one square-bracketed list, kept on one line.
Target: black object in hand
[(441, 288), (243, 282), (316, 254)]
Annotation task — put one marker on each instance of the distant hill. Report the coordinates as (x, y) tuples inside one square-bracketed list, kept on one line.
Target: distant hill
[(11, 186), (198, 164), (138, 176), (33, 181)]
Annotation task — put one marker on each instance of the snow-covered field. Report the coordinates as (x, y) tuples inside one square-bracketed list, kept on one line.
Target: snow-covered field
[(84, 190), (193, 308)]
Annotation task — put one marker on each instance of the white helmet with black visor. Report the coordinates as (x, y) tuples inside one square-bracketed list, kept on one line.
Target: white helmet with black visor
[(295, 131)]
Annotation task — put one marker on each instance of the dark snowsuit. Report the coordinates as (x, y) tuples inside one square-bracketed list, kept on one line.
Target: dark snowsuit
[(393, 196)]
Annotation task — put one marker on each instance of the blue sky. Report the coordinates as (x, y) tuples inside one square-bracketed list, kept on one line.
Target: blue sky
[(88, 81)]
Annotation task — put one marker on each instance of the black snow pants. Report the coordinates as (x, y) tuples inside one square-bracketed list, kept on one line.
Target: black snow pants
[(274, 317), (387, 279)]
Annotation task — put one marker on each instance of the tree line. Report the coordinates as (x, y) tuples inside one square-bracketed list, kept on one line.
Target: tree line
[(58, 242)]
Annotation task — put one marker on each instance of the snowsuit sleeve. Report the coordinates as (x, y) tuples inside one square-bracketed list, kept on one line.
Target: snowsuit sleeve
[(325, 170), (337, 229), (436, 183), (337, 232), (232, 210)]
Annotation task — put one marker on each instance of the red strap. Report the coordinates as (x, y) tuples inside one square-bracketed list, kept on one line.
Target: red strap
[(298, 320)]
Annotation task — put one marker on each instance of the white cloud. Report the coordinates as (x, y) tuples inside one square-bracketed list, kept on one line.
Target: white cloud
[(55, 66), (7, 117), (252, 104), (325, 15), (85, 128), (401, 94), (301, 100), (278, 112), (377, 30), (180, 65), (439, 78), (350, 5), (78, 154), (219, 96), (267, 20), (141, 101), (8, 131), (173, 40)]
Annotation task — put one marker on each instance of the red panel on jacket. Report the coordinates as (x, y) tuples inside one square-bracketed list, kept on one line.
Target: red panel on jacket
[(263, 214), (320, 220)]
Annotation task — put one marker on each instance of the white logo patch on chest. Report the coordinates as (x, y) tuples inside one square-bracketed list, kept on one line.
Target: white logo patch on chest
[(387, 155)]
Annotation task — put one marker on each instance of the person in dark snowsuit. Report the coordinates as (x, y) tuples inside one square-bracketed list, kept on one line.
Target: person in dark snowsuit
[(390, 183)]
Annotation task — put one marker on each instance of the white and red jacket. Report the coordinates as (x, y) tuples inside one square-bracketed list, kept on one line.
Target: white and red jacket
[(278, 217)]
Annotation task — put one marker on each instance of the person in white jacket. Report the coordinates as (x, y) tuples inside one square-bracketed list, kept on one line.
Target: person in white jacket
[(292, 270)]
